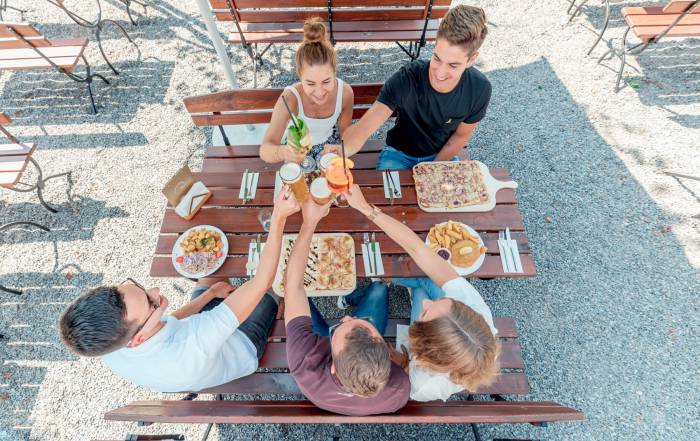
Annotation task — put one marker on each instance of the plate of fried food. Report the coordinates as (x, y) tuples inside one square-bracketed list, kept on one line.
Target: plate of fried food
[(459, 244), (200, 251), (330, 268)]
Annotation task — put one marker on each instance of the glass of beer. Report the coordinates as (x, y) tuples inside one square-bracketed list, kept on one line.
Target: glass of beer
[(292, 175), (320, 192), (324, 161)]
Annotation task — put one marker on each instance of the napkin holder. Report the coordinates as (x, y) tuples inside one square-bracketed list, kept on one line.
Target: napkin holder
[(185, 194)]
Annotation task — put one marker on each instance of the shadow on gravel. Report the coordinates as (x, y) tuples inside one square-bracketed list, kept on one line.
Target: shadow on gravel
[(39, 97), (609, 324), (29, 323)]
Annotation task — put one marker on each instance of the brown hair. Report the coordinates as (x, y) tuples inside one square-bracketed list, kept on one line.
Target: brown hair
[(459, 343), (464, 26), (363, 366), (315, 49)]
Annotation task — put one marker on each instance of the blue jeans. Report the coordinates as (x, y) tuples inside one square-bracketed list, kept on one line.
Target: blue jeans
[(371, 301), (393, 159), (423, 289)]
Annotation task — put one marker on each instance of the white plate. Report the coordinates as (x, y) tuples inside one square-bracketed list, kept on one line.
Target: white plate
[(177, 252), (492, 186), (476, 265)]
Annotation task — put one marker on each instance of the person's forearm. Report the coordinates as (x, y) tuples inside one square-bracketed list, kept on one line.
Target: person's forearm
[(267, 266), (195, 306), (400, 233), (354, 139), (270, 152), (296, 267), (451, 148)]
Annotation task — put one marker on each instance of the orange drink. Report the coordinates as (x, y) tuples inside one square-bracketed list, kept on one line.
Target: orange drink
[(339, 180), (320, 192), (292, 175)]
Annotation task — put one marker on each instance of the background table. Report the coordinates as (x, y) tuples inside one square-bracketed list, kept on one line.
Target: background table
[(222, 173)]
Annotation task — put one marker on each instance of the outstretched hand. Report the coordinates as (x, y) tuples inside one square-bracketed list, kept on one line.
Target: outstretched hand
[(285, 203), (356, 199), (313, 212)]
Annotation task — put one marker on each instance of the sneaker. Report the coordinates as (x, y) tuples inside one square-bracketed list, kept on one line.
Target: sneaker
[(341, 303)]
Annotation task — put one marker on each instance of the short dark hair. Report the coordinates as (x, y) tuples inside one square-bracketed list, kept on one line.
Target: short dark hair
[(363, 366), (95, 323)]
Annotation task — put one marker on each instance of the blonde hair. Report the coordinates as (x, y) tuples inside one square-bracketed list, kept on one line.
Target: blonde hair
[(464, 26), (316, 49), (459, 343)]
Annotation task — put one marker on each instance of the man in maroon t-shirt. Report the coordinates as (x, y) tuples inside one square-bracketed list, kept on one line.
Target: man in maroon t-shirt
[(351, 372)]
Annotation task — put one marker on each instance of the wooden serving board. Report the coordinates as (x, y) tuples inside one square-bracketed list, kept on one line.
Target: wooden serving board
[(277, 284), (492, 185)]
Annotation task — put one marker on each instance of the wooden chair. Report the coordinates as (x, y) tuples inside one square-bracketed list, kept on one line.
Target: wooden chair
[(678, 18), (495, 410), (14, 158), (23, 47), (413, 21)]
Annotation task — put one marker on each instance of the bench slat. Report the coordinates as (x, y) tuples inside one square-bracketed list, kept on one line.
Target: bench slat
[(16, 149), (300, 4), (511, 383), (275, 356), (304, 412), (50, 52), (9, 179), (661, 20), (39, 63), (343, 26), (648, 32), (251, 118), (253, 151), (13, 163), (678, 6), (341, 37), (355, 14), (24, 29)]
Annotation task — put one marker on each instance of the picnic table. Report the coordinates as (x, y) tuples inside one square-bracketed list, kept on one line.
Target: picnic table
[(222, 173)]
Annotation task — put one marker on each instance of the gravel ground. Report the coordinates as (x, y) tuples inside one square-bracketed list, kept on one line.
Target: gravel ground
[(609, 326)]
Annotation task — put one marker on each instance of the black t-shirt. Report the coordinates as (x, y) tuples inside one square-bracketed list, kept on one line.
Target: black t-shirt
[(427, 118)]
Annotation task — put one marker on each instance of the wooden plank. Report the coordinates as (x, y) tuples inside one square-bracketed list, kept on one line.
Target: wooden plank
[(50, 52), (340, 37), (355, 14), (18, 44), (38, 63), (4, 119), (641, 10), (343, 26), (244, 220), (301, 4), (9, 179), (304, 412), (260, 117), (648, 32), (238, 243), (662, 20), (23, 29), (395, 265), (511, 383), (679, 6), (16, 149), (13, 163), (361, 177), (253, 151), (505, 326)]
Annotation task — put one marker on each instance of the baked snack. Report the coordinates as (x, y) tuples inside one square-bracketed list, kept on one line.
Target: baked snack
[(466, 252), (449, 184), (465, 249), (331, 263)]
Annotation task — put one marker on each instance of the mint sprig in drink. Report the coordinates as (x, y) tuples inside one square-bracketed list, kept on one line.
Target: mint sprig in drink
[(298, 136)]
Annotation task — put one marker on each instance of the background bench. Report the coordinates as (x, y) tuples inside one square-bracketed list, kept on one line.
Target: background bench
[(511, 381), (413, 21), (23, 47)]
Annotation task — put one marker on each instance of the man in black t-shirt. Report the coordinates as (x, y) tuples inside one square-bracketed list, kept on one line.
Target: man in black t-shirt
[(438, 103)]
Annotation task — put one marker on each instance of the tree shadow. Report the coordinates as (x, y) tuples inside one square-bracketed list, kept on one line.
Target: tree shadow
[(38, 97), (614, 291)]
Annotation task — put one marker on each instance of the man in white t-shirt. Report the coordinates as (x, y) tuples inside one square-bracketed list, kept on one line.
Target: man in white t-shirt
[(215, 338)]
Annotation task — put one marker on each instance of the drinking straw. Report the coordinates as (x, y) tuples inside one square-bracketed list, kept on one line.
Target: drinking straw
[(294, 121), (342, 146)]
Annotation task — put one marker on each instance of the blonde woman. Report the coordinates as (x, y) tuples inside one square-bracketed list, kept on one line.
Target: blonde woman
[(452, 337), (321, 99)]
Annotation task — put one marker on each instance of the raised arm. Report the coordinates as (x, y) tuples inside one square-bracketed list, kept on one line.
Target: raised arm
[(296, 303), (427, 260), (271, 150), (357, 134), (246, 297), (345, 117)]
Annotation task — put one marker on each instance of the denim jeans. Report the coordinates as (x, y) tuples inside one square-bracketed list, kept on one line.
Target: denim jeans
[(423, 289), (393, 159), (259, 323), (371, 301)]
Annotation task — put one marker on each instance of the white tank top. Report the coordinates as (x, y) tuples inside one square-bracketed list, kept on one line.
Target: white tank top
[(320, 128)]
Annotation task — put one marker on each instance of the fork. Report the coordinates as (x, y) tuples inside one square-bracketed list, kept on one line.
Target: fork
[(365, 241), (502, 251)]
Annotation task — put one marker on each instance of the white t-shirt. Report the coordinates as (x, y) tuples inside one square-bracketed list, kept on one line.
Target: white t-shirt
[(427, 385), (200, 351)]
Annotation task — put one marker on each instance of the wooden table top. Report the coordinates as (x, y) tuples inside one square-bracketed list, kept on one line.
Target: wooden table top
[(222, 173)]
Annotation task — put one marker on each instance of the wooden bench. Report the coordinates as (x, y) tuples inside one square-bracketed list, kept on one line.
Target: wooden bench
[(414, 21), (14, 158), (677, 18), (511, 381), (23, 47)]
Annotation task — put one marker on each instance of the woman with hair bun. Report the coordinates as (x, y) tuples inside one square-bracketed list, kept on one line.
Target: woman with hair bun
[(321, 99)]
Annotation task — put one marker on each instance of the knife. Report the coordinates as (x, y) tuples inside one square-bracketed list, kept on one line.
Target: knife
[(513, 246), (374, 253), (365, 241), (393, 184), (245, 185), (250, 176), (502, 253), (389, 186)]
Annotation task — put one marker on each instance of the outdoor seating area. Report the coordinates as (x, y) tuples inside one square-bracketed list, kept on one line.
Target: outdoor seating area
[(331, 220)]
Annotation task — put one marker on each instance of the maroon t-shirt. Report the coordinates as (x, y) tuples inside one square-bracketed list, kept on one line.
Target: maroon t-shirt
[(309, 357)]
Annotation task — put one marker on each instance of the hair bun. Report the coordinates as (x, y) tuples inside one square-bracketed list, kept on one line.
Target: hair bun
[(314, 30)]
